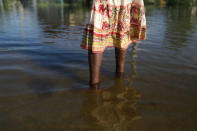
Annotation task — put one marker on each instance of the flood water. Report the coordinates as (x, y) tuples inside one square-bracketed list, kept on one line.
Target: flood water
[(44, 72)]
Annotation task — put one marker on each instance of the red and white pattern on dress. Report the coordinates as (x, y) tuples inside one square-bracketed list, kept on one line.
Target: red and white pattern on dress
[(114, 23)]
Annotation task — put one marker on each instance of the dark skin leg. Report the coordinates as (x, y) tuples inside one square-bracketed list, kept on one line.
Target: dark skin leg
[(120, 61), (95, 61)]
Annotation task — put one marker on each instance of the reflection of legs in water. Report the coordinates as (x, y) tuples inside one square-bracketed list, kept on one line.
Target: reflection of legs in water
[(133, 73), (133, 60), (120, 61), (113, 108), (95, 61)]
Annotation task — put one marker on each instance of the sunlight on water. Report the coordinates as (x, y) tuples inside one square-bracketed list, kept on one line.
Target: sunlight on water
[(44, 72)]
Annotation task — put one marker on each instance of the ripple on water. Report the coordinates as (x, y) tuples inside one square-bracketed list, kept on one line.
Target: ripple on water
[(44, 70)]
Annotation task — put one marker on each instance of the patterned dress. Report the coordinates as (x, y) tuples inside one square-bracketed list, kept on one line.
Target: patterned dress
[(114, 23)]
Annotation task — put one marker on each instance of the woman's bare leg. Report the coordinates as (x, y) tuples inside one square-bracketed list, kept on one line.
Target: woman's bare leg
[(95, 61), (120, 61)]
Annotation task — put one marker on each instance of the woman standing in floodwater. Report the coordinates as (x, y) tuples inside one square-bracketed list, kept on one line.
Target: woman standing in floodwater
[(112, 23)]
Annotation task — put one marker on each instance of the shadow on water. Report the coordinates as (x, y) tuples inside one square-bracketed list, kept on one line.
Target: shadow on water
[(43, 88), (46, 85)]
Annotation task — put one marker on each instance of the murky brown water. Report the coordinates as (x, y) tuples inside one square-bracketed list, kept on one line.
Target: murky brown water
[(44, 73)]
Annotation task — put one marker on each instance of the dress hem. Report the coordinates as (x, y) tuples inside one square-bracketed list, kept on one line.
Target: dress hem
[(102, 49)]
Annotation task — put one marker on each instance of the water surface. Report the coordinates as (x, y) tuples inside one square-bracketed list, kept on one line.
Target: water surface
[(44, 72)]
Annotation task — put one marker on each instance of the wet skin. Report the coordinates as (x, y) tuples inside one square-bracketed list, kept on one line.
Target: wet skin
[(95, 62)]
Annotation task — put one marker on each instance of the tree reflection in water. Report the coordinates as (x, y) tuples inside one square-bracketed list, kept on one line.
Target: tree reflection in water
[(114, 108), (180, 24)]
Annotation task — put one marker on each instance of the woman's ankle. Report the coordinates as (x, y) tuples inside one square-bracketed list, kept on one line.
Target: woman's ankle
[(94, 85), (119, 74)]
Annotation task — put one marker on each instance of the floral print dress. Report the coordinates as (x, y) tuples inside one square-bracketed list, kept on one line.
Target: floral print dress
[(114, 23)]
